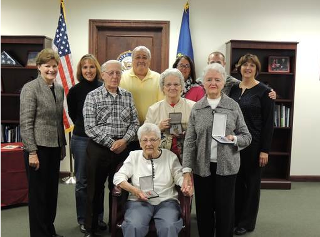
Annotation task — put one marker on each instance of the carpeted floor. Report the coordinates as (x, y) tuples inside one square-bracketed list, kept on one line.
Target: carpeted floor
[(283, 213)]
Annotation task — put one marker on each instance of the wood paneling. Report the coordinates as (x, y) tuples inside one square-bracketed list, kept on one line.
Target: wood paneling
[(109, 38)]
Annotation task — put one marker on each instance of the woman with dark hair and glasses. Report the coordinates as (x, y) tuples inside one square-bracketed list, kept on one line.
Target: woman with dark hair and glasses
[(192, 89), (215, 135), (159, 167), (89, 77)]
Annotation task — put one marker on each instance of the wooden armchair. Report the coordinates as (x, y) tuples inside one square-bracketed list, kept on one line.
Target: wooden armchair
[(119, 198)]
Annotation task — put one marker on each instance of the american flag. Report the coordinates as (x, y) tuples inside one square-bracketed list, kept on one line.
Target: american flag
[(65, 74)]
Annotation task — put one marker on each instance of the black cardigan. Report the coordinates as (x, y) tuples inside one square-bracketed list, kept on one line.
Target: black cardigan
[(258, 110)]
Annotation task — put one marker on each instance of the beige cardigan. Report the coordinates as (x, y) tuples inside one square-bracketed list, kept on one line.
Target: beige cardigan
[(160, 111)]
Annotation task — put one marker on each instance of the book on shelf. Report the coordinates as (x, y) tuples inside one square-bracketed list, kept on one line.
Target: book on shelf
[(281, 116), (10, 133), (287, 117)]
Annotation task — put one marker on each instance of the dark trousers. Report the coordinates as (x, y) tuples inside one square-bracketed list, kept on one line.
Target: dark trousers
[(43, 191), (248, 188), (215, 203), (101, 163), (79, 148)]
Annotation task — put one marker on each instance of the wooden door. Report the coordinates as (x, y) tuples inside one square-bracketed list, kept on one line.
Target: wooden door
[(108, 39)]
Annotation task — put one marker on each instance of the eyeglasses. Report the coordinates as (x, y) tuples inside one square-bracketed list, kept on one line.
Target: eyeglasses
[(174, 85), (211, 80), (151, 140), (117, 73), (183, 65)]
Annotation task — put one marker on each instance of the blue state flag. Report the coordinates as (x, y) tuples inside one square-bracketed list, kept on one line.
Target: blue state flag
[(185, 43)]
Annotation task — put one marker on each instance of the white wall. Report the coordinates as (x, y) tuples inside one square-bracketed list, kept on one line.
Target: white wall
[(213, 23)]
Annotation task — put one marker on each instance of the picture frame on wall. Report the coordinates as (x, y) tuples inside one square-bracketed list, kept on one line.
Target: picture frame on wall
[(279, 64), (31, 62)]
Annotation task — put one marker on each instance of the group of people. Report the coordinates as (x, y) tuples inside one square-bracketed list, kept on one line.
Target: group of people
[(161, 127)]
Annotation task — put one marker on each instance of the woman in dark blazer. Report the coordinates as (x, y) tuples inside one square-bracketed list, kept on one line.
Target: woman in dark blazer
[(42, 133)]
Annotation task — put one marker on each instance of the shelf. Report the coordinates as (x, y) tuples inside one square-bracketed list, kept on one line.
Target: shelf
[(278, 153), (268, 73), (10, 121), (288, 128), (19, 68), (283, 101), (277, 73), (10, 94), (41, 40), (275, 184), (263, 45)]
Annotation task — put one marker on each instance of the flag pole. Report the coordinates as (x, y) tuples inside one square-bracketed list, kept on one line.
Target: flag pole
[(71, 178)]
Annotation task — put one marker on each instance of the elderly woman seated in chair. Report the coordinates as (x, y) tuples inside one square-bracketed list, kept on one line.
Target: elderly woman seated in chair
[(154, 172)]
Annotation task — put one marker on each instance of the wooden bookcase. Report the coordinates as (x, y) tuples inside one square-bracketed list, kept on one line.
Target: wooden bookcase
[(276, 175), (14, 77)]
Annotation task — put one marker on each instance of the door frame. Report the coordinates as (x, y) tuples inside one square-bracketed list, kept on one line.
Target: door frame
[(164, 26)]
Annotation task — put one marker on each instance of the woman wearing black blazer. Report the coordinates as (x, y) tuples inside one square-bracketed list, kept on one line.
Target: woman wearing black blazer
[(42, 133)]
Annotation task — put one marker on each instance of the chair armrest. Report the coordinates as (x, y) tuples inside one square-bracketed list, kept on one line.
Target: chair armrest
[(185, 205), (116, 191), (119, 198)]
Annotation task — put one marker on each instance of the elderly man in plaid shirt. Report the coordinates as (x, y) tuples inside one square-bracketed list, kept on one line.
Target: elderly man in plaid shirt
[(111, 122)]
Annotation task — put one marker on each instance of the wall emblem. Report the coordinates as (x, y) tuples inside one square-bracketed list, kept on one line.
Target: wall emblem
[(126, 60)]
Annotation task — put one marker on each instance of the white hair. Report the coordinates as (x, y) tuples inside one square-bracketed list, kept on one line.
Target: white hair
[(215, 67), (104, 65), (174, 72), (141, 48), (148, 128)]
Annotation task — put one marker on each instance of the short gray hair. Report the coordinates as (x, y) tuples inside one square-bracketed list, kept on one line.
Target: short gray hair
[(141, 48), (104, 66), (215, 67), (174, 72), (147, 128)]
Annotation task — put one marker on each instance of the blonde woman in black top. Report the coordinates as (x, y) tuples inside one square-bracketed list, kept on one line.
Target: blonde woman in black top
[(89, 77)]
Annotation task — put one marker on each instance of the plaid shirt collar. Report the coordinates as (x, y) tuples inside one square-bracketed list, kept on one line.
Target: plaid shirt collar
[(105, 92)]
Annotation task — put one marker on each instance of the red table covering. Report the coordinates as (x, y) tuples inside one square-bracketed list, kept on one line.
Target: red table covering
[(14, 185)]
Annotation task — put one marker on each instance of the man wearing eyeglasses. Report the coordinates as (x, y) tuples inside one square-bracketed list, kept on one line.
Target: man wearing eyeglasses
[(111, 122)]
